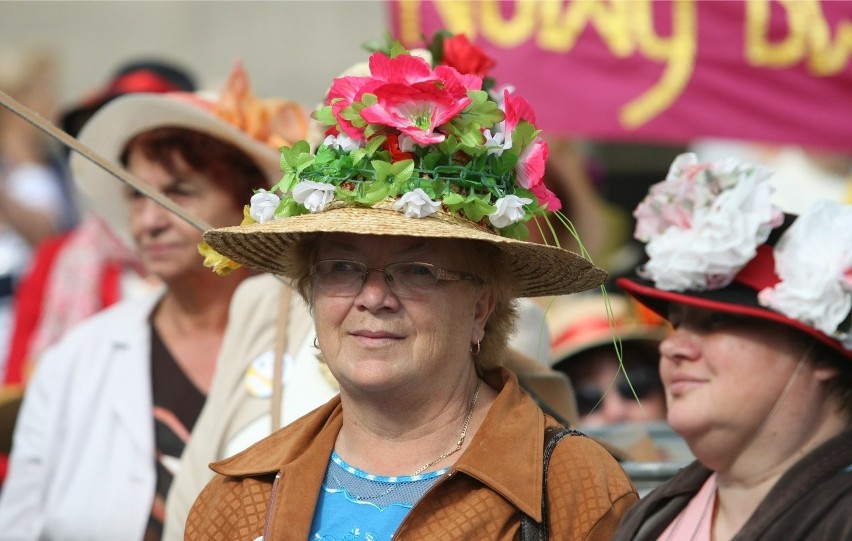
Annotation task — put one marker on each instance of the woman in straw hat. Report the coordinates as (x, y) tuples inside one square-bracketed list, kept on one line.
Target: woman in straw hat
[(401, 234), (757, 371), (110, 407)]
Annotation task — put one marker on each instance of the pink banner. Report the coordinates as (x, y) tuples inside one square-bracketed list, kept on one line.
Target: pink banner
[(663, 71)]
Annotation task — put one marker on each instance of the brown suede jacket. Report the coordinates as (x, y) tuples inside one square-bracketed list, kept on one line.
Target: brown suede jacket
[(271, 488)]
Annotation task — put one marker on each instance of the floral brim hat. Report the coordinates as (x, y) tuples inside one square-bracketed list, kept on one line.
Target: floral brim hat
[(257, 127), (715, 241), (419, 147)]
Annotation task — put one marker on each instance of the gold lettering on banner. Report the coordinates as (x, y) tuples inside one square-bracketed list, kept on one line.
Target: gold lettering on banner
[(808, 38), (511, 31), (678, 52), (625, 26)]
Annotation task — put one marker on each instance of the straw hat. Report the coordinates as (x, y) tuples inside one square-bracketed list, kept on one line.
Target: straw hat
[(257, 127), (415, 149), (740, 255), (581, 323)]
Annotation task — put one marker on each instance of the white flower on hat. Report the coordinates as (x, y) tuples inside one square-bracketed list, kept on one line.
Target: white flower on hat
[(814, 262), (341, 142), (510, 210), (263, 205), (315, 196), (416, 204), (704, 223), (497, 143)]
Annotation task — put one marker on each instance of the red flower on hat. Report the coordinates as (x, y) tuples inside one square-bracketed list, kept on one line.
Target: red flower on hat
[(392, 144), (466, 57)]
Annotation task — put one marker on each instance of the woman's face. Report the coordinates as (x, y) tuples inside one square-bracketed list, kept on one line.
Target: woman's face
[(166, 243), (723, 375), (374, 339)]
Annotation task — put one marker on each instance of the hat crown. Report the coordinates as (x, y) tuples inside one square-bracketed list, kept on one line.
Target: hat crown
[(424, 133)]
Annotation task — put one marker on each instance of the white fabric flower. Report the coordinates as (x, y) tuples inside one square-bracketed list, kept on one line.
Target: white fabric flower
[(315, 196), (510, 210), (814, 262), (416, 204), (497, 143), (341, 142), (704, 223), (263, 205)]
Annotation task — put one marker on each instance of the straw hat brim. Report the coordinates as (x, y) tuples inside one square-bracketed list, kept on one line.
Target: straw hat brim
[(113, 126), (537, 269)]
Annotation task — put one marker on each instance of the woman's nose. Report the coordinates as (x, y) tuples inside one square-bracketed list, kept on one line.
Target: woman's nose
[(376, 292), (680, 345), (148, 215)]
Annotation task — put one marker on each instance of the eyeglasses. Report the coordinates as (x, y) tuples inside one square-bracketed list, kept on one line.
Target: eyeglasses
[(644, 381), (344, 278)]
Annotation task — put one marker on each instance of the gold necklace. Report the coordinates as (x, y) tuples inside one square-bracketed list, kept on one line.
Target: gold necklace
[(461, 436)]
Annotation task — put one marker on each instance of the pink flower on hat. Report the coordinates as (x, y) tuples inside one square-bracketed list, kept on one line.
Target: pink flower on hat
[(416, 111), (409, 95), (814, 262)]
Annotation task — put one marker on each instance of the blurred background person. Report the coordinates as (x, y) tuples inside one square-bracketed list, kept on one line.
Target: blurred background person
[(76, 273), (110, 407), (582, 348), (34, 200), (757, 370)]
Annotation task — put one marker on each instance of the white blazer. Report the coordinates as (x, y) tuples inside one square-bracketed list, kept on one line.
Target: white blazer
[(82, 462)]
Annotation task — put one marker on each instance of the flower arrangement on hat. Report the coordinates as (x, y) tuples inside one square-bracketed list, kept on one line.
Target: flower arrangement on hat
[(420, 136), (707, 227)]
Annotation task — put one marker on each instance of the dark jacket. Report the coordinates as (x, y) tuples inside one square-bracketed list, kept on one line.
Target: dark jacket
[(812, 500)]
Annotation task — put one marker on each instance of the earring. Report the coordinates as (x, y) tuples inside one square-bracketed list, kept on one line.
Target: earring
[(474, 349), (316, 344)]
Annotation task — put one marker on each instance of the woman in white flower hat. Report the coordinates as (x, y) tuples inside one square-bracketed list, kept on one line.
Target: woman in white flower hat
[(757, 370), (110, 407), (400, 232)]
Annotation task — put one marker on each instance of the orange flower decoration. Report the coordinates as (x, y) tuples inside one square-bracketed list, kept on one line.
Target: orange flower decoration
[(275, 122)]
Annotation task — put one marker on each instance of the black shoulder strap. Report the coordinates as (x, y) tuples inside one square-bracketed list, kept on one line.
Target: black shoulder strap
[(530, 529)]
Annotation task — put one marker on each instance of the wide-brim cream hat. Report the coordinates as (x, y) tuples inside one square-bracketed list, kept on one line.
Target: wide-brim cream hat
[(536, 269), (255, 126), (112, 127)]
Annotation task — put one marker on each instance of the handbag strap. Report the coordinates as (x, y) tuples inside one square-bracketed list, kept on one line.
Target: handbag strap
[(530, 529)]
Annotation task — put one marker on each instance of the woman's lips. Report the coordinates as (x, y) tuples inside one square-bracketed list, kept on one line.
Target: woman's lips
[(680, 384), (375, 337)]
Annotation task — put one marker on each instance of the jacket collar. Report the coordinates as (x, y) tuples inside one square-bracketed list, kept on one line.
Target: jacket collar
[(515, 472)]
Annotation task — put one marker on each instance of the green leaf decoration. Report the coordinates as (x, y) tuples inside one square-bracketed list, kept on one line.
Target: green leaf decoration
[(397, 49), (518, 231), (482, 111), (374, 144), (289, 207), (430, 160), (454, 201), (304, 161), (323, 115), (401, 171), (476, 207), (375, 192), (382, 170), (523, 135), (285, 185)]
